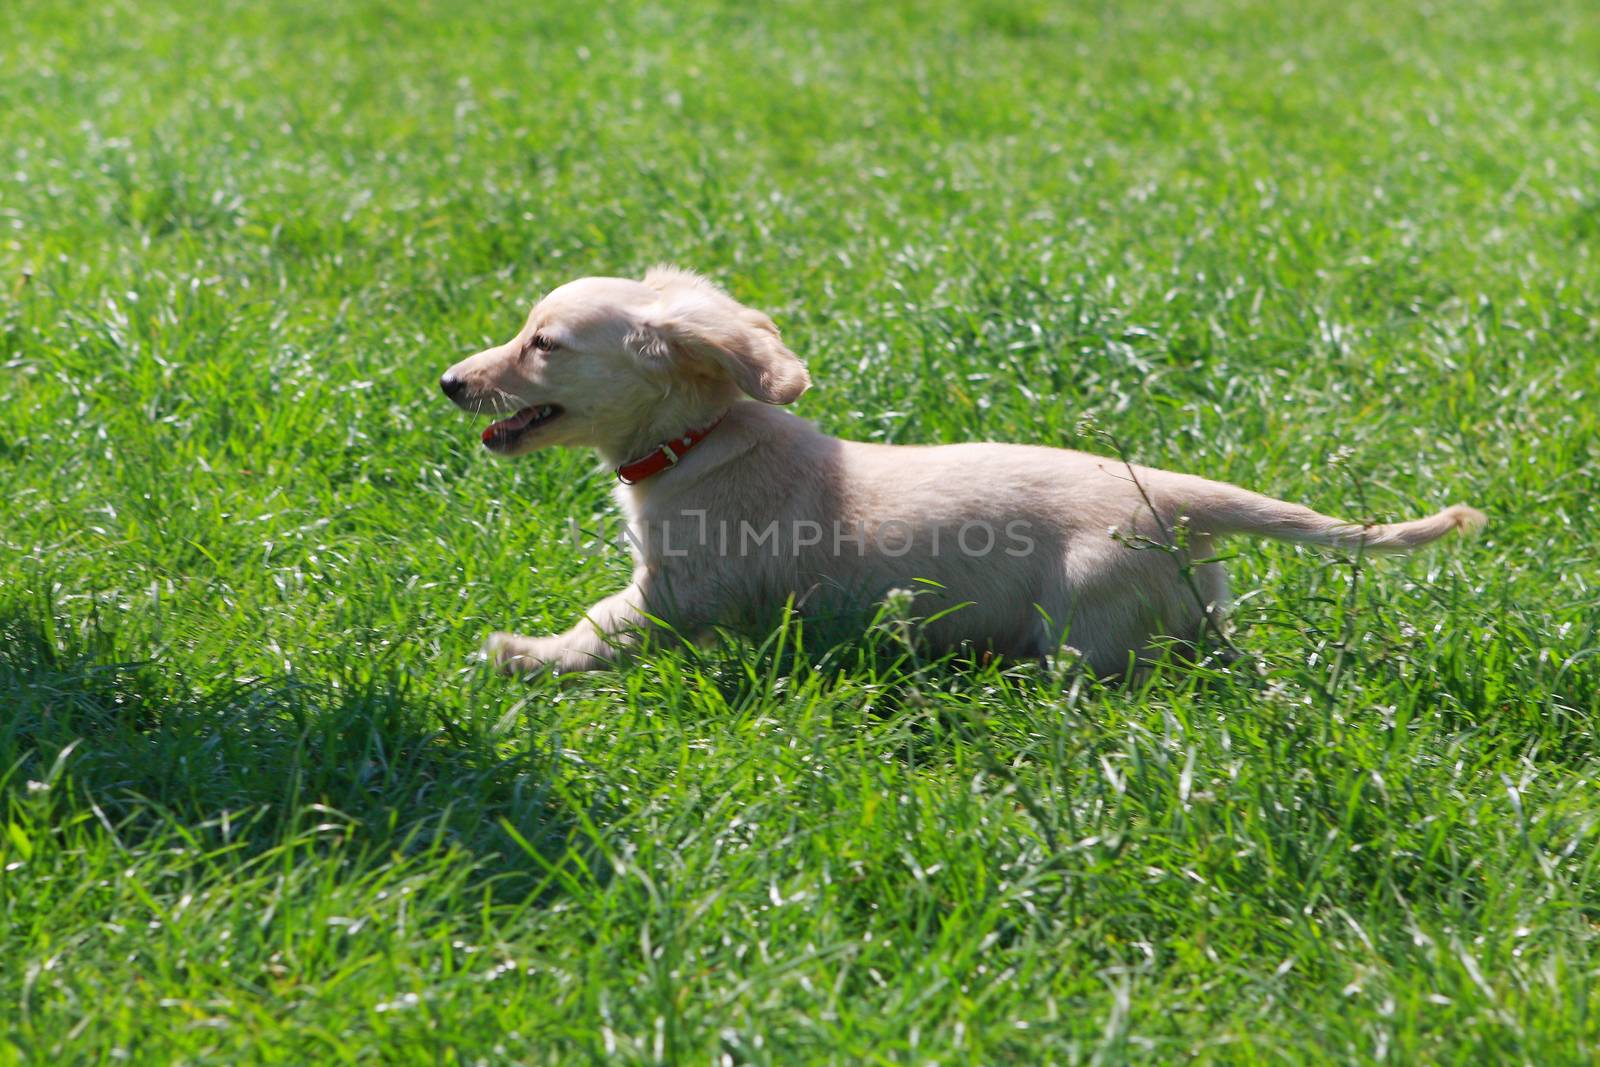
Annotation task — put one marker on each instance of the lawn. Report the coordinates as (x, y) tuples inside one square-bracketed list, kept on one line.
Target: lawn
[(260, 802)]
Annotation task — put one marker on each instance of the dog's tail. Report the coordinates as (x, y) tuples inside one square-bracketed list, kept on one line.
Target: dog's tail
[(1218, 508)]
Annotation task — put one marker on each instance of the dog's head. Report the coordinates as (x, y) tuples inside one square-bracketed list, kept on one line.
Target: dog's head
[(607, 362)]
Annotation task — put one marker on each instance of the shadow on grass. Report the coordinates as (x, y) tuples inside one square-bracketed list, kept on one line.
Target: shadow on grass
[(893, 672), (258, 762)]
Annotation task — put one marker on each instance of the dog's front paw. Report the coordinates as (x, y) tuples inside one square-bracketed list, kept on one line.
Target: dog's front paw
[(514, 654)]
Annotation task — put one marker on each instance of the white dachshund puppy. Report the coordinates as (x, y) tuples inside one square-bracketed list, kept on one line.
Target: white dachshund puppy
[(737, 508)]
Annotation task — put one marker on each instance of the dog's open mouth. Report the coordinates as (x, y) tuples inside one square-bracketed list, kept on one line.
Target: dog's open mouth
[(508, 431)]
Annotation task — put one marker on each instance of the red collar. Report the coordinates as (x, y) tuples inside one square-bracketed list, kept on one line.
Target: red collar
[(665, 455)]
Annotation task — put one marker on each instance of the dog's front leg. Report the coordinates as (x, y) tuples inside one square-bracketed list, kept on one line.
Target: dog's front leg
[(606, 630)]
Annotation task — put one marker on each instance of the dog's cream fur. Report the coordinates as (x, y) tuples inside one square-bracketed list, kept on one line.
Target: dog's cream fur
[(633, 364)]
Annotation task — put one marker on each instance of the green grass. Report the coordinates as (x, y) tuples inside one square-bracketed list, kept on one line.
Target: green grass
[(260, 805)]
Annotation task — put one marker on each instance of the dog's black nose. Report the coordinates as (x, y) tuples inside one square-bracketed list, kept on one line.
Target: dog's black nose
[(452, 386)]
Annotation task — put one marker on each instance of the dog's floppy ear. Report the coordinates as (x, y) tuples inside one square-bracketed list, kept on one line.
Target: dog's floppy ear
[(696, 326)]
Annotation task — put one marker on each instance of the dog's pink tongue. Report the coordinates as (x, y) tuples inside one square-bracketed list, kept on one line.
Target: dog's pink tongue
[(511, 425)]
